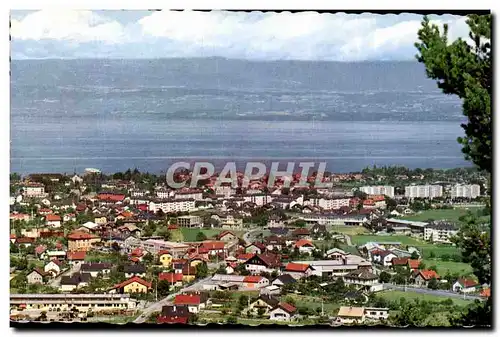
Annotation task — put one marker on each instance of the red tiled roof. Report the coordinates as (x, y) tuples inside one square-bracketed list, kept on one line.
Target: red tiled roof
[(137, 252), (377, 197), (486, 292), (287, 307), (56, 261), (296, 267), (301, 231), (40, 249), (245, 257), (413, 264), (25, 240), (467, 283), (170, 277), (111, 197), (52, 217), (428, 274), (187, 300), (78, 255), (400, 261), (252, 279), (162, 252), (44, 210), (213, 245), (221, 235), (303, 242), (13, 236), (132, 280), (172, 227), (369, 202), (80, 236)]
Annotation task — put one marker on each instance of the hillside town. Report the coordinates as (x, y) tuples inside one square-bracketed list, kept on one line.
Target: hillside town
[(127, 247)]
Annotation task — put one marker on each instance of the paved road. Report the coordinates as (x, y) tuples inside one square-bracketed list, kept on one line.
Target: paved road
[(167, 300), (432, 292), (348, 240), (247, 237)]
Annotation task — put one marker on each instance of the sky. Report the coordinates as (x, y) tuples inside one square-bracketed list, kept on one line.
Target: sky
[(243, 35)]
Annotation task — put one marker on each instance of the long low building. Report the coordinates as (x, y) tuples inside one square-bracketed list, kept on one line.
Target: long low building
[(334, 220), (82, 302), (337, 267), (413, 226)]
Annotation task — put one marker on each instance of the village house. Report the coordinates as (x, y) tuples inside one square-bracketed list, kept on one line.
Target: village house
[(361, 277), (350, 315), (383, 257), (174, 279), (422, 277), (134, 270), (263, 263), (264, 302), (255, 282), (227, 236), (255, 248), (95, 269), (70, 283), (53, 220), (132, 285), (76, 257), (376, 313), (283, 312), (274, 242), (336, 254), (298, 270), (284, 279), (464, 285), (53, 267), (81, 241), (36, 276), (177, 314), (305, 246), (194, 301)]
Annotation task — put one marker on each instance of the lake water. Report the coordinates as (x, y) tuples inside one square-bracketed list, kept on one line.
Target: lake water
[(114, 115)]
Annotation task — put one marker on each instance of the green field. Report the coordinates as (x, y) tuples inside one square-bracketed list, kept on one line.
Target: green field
[(424, 247), (313, 303), (405, 240), (451, 215), (453, 267), (349, 230), (395, 295)]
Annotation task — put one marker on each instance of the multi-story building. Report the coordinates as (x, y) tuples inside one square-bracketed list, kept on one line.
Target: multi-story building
[(385, 190), (424, 191), (81, 241), (34, 190), (192, 194), (440, 232), (172, 205), (164, 193), (328, 203), (258, 199), (82, 302), (154, 246), (189, 221), (465, 191)]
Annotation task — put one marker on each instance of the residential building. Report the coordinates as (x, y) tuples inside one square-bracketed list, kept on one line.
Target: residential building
[(305, 246), (78, 280), (350, 315), (384, 190), (377, 313), (165, 258), (34, 190), (361, 277), (298, 270), (194, 301), (255, 282), (81, 241), (132, 270), (53, 267), (440, 232), (178, 314), (189, 221), (283, 312), (172, 205), (423, 191), (96, 269), (423, 277), (53, 220), (463, 285), (465, 191), (263, 263), (190, 194), (265, 302), (284, 280), (132, 285), (36, 276)]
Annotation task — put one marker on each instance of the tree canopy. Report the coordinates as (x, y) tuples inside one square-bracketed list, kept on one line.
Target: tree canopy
[(464, 69)]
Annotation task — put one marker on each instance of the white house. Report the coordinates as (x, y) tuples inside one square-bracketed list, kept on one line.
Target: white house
[(465, 286), (383, 257), (283, 312), (53, 267)]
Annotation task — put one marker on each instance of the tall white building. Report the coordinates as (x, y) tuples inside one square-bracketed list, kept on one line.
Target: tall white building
[(385, 190), (172, 206), (465, 191), (424, 191)]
